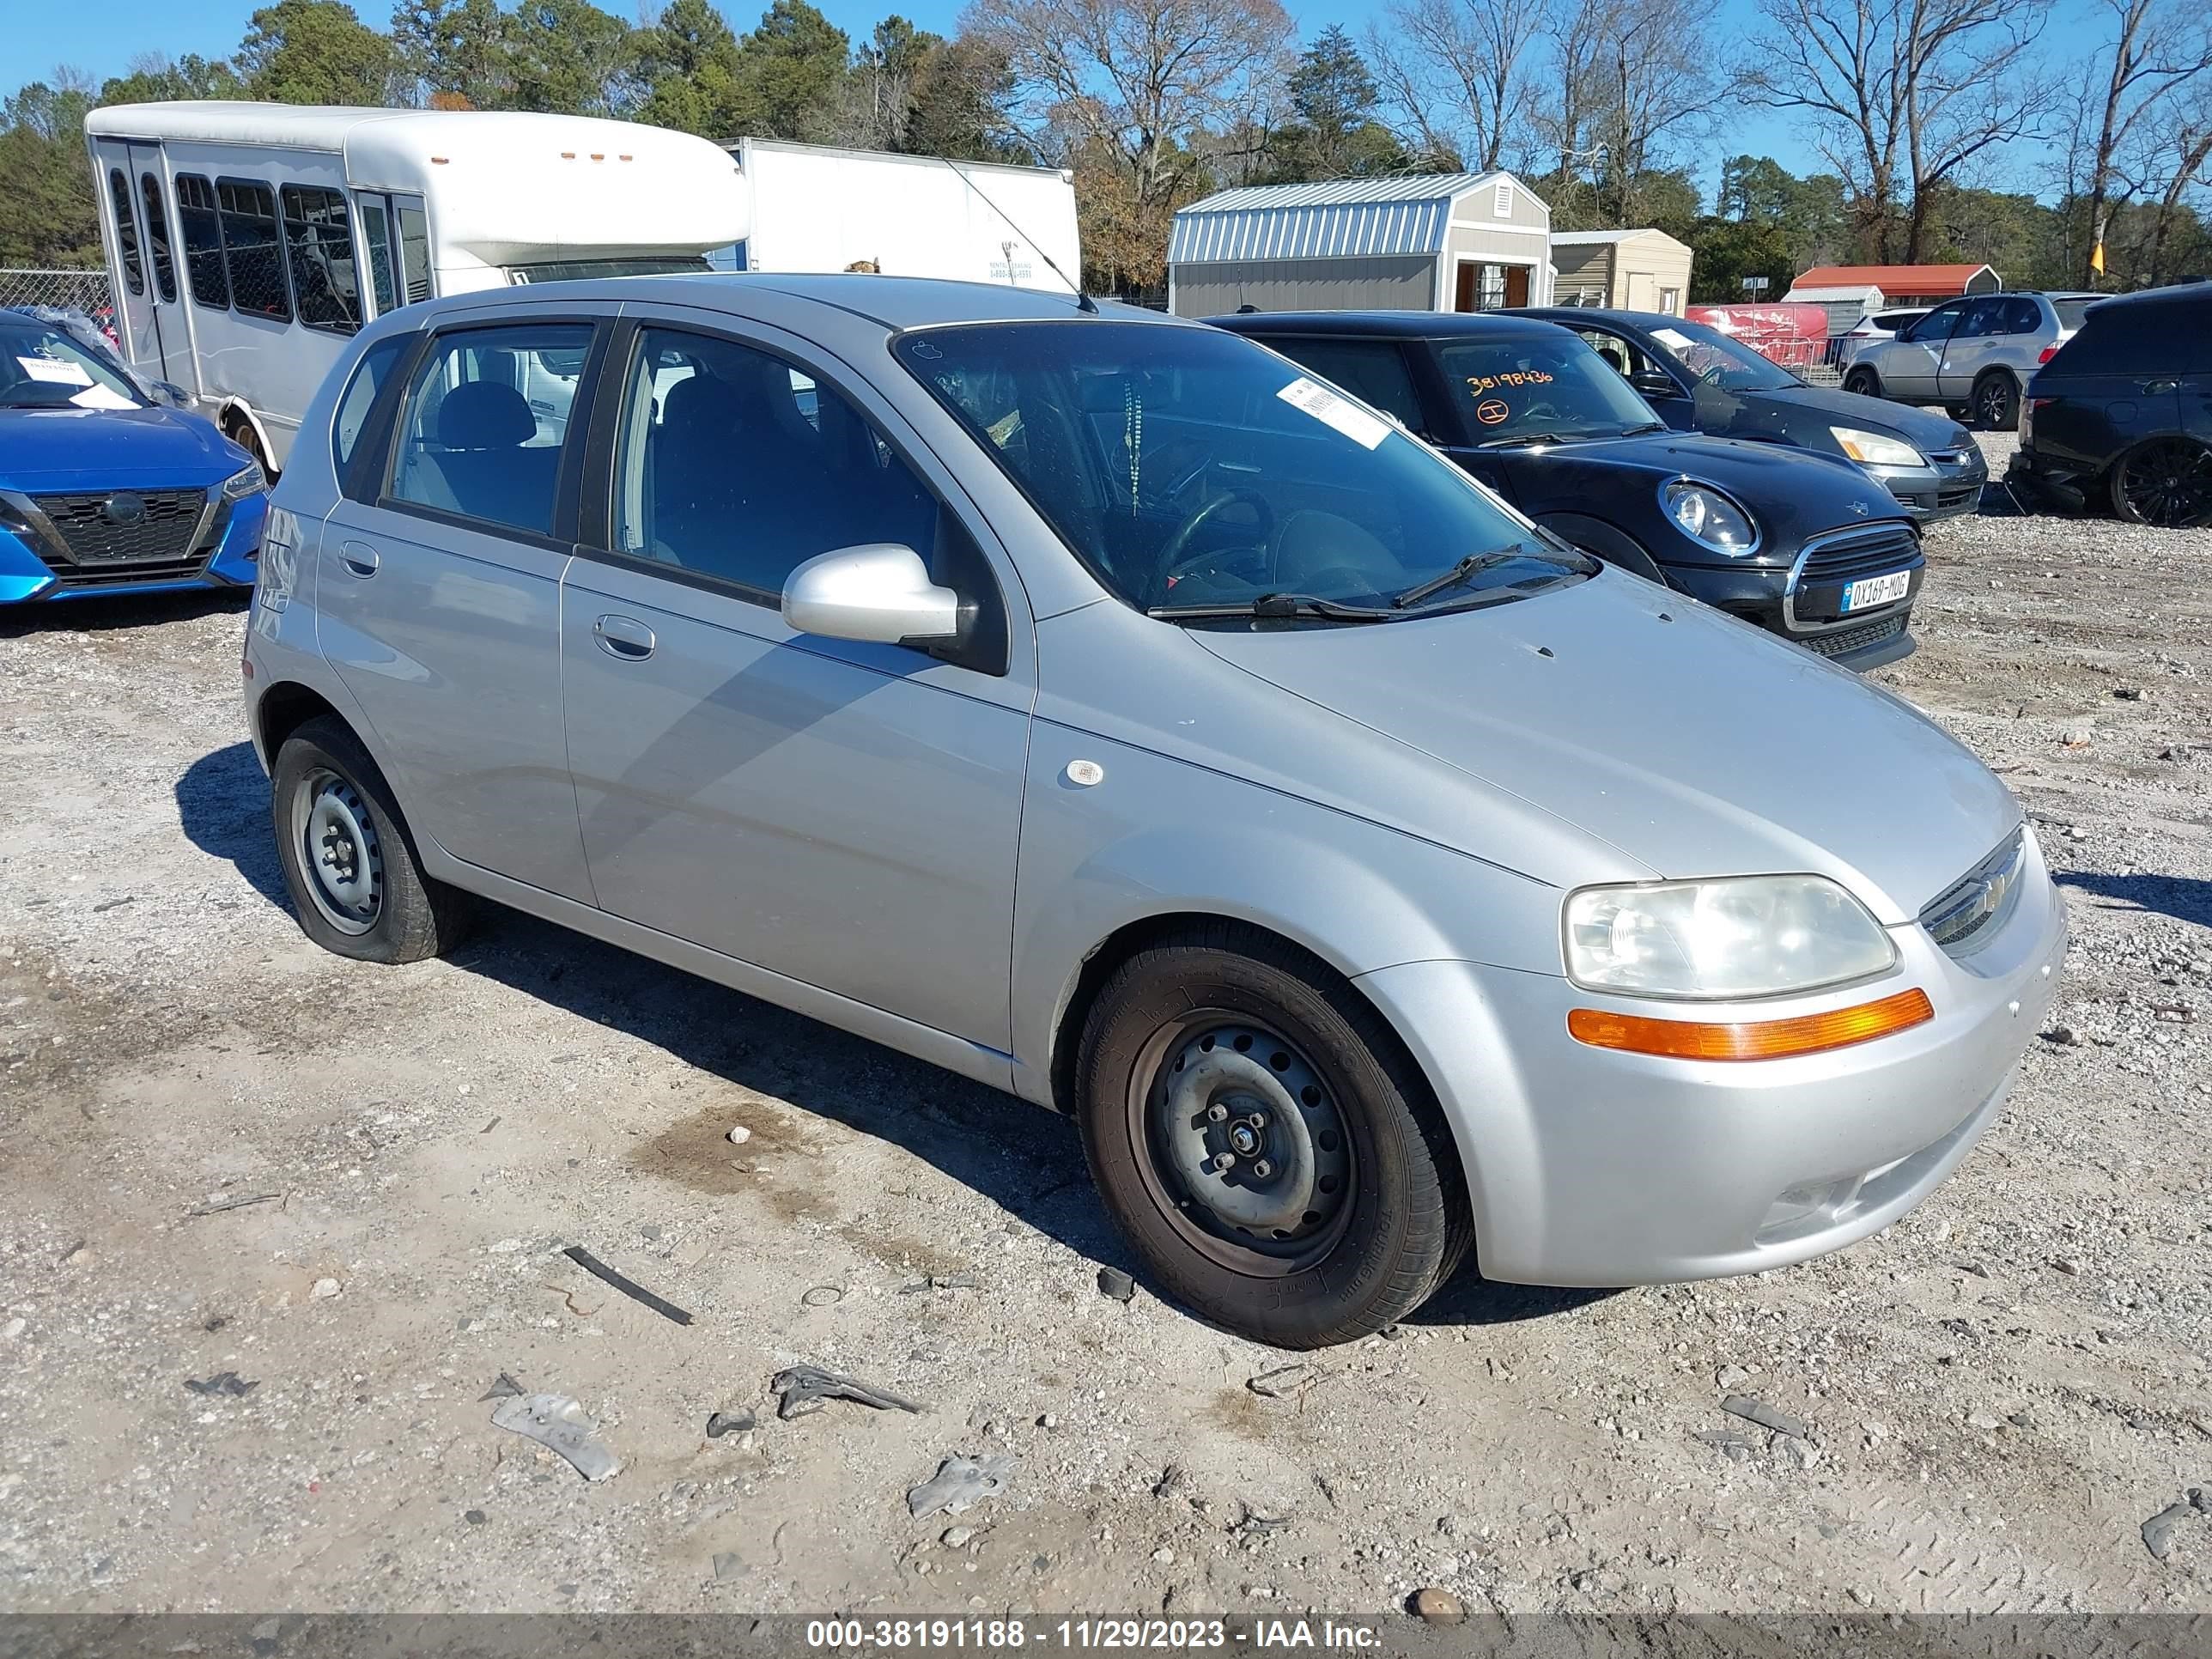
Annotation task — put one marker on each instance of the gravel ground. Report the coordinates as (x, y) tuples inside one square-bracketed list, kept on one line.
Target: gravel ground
[(1996, 1393)]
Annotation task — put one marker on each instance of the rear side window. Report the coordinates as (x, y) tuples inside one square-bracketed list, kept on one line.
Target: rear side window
[(126, 231), (2021, 316), (157, 238), (369, 376), (2071, 312), (2127, 339), (252, 251), (203, 233), (1983, 318), (319, 243), (485, 421)]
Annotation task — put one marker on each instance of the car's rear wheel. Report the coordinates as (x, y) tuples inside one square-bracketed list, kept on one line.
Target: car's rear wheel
[(1996, 401), (348, 861), (2166, 482), (1265, 1142), (1864, 381)]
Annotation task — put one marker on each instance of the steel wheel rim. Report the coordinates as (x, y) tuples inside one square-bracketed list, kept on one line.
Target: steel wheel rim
[(1242, 1144), (339, 850), (2168, 483)]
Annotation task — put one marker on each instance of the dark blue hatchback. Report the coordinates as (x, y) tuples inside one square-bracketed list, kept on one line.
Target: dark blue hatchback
[(104, 491)]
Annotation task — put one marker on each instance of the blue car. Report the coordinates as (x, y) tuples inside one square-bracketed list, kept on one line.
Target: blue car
[(105, 490)]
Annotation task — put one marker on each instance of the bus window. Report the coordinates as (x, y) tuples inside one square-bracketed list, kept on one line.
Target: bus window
[(203, 238), (157, 238), (252, 256), (126, 230), (376, 235), (414, 250), (325, 276)]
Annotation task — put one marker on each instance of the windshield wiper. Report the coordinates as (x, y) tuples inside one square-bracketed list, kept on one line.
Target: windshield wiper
[(1273, 607), (1522, 439), (1473, 564), (1643, 426)]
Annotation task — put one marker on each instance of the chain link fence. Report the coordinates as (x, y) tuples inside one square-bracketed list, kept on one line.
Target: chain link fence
[(81, 290)]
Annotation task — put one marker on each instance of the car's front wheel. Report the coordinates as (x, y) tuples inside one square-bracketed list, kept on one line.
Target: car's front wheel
[(1265, 1142), (1996, 401), (348, 864), (1863, 381)]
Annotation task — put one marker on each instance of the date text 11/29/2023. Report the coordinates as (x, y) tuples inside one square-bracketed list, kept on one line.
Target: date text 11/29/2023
[(1009, 1634)]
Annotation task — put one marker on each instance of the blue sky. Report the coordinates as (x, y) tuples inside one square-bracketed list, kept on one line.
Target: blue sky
[(43, 35)]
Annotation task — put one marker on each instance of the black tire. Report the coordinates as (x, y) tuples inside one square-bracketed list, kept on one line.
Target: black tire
[(1996, 401), (1397, 1225), (1863, 381), (2165, 482), (326, 789), (241, 433)]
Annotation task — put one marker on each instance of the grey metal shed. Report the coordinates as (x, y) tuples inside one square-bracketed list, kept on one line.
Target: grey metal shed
[(1436, 241)]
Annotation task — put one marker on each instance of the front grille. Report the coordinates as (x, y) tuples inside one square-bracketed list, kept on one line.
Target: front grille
[(1947, 499), (1849, 555), (1839, 641), (104, 529), (1964, 913)]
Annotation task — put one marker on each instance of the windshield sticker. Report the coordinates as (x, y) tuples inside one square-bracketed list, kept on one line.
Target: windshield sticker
[(99, 397), (1479, 384), (54, 369), (1673, 340), (1331, 410), (1490, 412)]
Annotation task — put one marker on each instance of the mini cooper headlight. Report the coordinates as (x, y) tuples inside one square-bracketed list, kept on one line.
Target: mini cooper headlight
[(1871, 449), (1711, 519), (1750, 936), (248, 480)]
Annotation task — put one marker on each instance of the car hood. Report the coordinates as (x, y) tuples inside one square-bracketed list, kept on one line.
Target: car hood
[(1695, 746), (71, 449), (1791, 493), (1803, 414)]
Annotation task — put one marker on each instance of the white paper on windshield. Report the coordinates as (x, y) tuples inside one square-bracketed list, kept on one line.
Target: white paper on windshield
[(54, 369), (100, 396), (1673, 340), (1331, 410)]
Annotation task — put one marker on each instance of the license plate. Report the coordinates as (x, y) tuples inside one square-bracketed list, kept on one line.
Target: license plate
[(1877, 590)]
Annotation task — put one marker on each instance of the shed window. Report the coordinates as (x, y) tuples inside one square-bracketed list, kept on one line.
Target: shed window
[(1501, 204), (253, 254), (203, 239)]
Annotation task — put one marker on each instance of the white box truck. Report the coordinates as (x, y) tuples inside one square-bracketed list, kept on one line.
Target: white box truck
[(815, 208)]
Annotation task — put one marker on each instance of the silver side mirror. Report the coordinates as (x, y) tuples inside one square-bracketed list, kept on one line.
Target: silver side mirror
[(878, 592)]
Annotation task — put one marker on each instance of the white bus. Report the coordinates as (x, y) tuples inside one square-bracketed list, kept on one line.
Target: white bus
[(248, 242)]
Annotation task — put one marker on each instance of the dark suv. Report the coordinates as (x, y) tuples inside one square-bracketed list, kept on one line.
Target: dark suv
[(1800, 541), (2124, 412)]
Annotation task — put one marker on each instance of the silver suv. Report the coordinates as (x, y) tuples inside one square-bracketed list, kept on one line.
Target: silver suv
[(1973, 355), (1098, 705)]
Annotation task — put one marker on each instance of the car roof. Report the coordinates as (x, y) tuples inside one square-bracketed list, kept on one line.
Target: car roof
[(1605, 314), (1394, 325), (895, 302), (2180, 294)]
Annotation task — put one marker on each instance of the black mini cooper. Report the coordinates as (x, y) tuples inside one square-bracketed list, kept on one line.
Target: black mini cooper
[(1801, 543)]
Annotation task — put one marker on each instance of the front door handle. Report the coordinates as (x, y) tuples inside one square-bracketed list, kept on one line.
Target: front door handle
[(359, 557), (2161, 385), (623, 636)]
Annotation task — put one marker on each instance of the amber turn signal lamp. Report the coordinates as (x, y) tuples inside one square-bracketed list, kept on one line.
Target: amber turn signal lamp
[(1761, 1039)]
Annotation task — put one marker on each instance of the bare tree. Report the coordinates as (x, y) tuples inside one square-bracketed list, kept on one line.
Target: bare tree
[(1653, 74), (2175, 161), (1455, 74), (1133, 83), (1903, 93), (2158, 48)]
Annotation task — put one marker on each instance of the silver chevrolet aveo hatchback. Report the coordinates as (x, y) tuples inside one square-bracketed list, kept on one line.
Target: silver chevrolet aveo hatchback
[(1093, 704)]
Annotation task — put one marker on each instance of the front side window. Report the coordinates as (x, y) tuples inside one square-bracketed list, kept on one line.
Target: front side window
[(1620, 355), (1707, 355), (319, 243), (486, 418), (376, 366), (157, 238), (1199, 477), (252, 252), (1520, 388), (197, 221), (126, 231), (42, 367), (735, 465)]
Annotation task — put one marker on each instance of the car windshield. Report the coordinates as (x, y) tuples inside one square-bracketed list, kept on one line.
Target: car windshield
[(1527, 386), (42, 367), (1199, 477), (1715, 358)]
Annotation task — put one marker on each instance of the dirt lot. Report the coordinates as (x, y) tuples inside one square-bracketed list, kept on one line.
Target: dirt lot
[(1998, 1393)]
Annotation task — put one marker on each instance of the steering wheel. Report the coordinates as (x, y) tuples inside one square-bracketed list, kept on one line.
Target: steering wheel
[(1175, 563)]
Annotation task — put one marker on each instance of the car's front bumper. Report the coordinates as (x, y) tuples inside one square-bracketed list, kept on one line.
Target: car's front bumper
[(1591, 1167), (1949, 487), (1763, 595), (36, 564)]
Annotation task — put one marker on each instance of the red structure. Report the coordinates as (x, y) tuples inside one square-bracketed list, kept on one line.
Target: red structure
[(1794, 336), (1906, 285)]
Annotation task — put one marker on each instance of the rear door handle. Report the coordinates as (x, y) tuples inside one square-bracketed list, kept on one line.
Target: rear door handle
[(623, 636), (359, 557)]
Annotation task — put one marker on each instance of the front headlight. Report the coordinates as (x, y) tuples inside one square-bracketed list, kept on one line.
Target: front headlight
[(1748, 936), (1711, 519), (248, 480), (1871, 449)]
